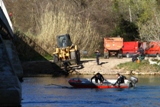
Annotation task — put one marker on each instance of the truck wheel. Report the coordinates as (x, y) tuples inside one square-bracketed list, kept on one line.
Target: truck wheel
[(55, 58), (127, 55), (146, 55), (77, 56), (106, 56), (119, 55), (74, 57), (157, 55)]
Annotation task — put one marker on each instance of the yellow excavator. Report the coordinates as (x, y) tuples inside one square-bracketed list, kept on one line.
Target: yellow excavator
[(66, 50)]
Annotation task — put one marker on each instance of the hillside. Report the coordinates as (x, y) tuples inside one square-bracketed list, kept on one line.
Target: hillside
[(38, 22)]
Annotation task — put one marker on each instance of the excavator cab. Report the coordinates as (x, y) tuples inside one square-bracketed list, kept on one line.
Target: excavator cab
[(66, 50), (63, 41)]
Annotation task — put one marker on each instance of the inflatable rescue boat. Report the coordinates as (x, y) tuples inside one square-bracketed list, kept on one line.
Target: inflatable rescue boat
[(86, 83)]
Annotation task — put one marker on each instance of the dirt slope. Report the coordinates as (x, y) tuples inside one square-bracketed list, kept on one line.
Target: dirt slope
[(89, 66)]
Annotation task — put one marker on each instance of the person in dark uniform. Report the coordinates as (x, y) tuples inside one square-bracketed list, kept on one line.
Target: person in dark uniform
[(97, 56), (120, 79), (135, 58), (141, 53), (97, 77)]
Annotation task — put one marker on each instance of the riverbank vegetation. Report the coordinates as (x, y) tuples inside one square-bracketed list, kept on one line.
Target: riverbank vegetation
[(143, 66), (38, 22)]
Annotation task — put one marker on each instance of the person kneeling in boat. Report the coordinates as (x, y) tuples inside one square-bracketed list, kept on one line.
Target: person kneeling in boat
[(97, 77), (120, 79)]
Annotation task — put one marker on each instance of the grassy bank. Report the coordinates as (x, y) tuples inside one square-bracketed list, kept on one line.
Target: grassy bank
[(143, 66)]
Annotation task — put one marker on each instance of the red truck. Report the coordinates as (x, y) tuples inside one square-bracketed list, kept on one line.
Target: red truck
[(153, 49), (130, 48), (113, 46)]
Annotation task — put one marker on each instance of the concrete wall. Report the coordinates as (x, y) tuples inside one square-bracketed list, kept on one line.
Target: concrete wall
[(10, 86), (10, 67), (13, 57)]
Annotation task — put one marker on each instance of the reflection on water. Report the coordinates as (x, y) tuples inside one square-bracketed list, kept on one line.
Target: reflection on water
[(56, 92)]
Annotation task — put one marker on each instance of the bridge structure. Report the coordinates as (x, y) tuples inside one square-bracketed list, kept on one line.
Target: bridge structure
[(11, 71)]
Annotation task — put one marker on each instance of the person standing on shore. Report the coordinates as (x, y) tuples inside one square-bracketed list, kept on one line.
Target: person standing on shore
[(97, 56), (141, 53)]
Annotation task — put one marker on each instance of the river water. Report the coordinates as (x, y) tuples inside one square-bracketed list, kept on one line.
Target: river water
[(56, 92)]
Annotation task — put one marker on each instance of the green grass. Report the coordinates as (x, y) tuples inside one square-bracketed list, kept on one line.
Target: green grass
[(142, 66)]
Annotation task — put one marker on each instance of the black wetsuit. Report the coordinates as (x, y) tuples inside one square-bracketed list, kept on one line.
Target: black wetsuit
[(97, 77), (120, 80)]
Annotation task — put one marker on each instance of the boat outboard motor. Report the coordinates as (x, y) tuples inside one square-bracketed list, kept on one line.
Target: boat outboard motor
[(133, 81)]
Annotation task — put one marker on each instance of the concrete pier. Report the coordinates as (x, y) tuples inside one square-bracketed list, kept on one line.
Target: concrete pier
[(10, 86), (13, 58), (10, 68)]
